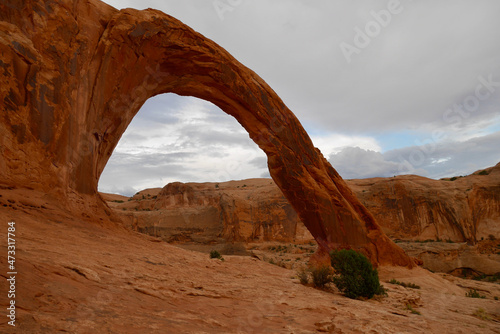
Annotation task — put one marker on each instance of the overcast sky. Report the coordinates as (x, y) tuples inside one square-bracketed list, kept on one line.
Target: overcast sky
[(382, 87)]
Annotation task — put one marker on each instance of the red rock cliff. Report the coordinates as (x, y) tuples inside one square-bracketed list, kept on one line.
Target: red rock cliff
[(74, 74), (456, 209)]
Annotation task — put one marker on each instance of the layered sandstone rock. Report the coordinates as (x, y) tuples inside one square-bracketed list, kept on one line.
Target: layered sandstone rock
[(251, 210), (417, 208), (75, 73), (408, 207)]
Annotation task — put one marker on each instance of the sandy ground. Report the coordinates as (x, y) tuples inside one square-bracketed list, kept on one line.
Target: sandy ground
[(77, 276)]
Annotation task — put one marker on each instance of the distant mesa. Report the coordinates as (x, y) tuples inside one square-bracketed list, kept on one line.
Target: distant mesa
[(74, 74)]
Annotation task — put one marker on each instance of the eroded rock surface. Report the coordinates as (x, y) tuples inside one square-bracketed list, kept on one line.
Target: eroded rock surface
[(75, 73), (252, 210), (409, 207), (77, 277), (463, 209)]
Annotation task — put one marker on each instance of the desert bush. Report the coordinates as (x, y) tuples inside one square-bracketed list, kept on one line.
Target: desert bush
[(303, 275), (412, 310), (321, 276), (403, 284), (472, 293), (483, 172), (215, 255), (355, 275), (481, 314)]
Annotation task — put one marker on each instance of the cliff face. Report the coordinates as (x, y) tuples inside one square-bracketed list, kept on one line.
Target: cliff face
[(75, 73), (249, 211), (456, 209), (408, 207)]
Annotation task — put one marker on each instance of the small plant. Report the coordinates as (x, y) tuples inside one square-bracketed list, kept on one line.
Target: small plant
[(496, 298), (411, 309), (492, 237), (356, 276), (481, 314), (215, 255), (483, 172), (479, 277), (472, 293), (321, 276), (303, 275), (118, 201), (405, 285)]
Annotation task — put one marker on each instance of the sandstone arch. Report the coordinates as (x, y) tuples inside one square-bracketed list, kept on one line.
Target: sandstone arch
[(76, 72)]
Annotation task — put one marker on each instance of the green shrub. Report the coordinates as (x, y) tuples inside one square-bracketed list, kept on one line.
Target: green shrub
[(215, 255), (472, 293), (483, 172), (321, 276), (355, 275), (481, 314), (412, 310), (403, 284)]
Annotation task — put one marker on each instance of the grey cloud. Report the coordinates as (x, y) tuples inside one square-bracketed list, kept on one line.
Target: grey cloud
[(434, 160), (259, 162), (357, 163)]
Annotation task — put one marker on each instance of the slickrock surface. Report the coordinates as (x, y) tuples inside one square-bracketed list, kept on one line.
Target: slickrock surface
[(74, 74), (76, 276)]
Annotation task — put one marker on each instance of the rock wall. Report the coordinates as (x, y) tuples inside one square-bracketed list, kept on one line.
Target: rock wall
[(408, 207), (251, 210), (457, 209), (75, 73)]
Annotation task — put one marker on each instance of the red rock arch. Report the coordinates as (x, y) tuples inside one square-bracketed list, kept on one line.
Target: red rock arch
[(75, 76)]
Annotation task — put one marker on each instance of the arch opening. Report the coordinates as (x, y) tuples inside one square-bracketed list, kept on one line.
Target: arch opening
[(180, 139)]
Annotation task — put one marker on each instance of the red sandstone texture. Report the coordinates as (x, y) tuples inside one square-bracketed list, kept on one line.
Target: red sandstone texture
[(75, 73), (459, 209), (75, 276), (409, 207)]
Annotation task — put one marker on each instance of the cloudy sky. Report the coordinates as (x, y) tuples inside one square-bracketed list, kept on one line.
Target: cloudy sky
[(382, 87)]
